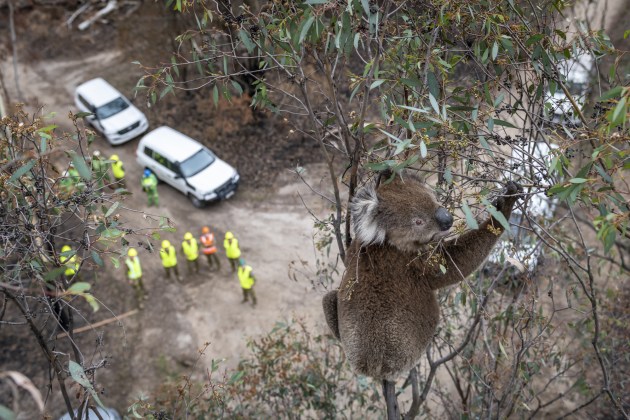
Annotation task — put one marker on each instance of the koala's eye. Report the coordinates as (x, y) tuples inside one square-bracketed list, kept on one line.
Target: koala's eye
[(418, 222)]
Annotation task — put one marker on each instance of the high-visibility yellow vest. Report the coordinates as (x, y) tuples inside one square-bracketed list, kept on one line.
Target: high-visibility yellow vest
[(71, 265), (117, 169), (169, 259), (207, 239), (191, 249), (134, 271), (231, 248), (244, 276)]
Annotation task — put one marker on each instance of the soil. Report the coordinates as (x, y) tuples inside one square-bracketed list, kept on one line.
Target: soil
[(267, 214)]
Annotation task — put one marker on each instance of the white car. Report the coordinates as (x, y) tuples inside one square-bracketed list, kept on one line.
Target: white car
[(187, 165), (576, 73), (112, 113)]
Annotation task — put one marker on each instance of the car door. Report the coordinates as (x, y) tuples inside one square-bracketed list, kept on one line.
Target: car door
[(168, 172), (86, 106)]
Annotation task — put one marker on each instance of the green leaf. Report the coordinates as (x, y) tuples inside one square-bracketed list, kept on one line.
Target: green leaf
[(470, 219), (434, 104), (534, 39), (448, 176), (503, 123), (497, 215), (23, 170), (376, 83), (79, 288), (6, 414), (115, 262), (247, 41), (423, 149), (306, 27), (79, 376), (577, 180), (97, 259), (215, 95), (316, 1), (612, 93), (51, 275), (442, 269), (495, 50), (83, 114), (411, 108), (112, 209), (620, 111), (81, 166), (237, 87)]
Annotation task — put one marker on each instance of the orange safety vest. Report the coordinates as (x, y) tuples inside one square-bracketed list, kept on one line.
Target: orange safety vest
[(207, 239)]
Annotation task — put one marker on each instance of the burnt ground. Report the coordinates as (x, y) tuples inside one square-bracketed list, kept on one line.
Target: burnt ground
[(266, 214)]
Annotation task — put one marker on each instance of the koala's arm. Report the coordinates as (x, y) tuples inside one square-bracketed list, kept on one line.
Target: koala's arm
[(464, 254)]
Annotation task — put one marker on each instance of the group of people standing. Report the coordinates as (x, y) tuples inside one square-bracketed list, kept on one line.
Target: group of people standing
[(168, 254), (191, 250)]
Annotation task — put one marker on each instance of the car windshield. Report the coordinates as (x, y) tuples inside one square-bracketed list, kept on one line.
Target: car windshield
[(111, 108), (196, 163)]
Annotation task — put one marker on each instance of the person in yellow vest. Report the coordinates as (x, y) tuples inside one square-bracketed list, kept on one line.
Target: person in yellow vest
[(118, 171), (191, 251), (247, 280), (169, 259), (232, 251), (208, 248), (134, 274), (70, 262)]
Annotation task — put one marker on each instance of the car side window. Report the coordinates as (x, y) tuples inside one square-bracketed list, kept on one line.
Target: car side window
[(164, 162)]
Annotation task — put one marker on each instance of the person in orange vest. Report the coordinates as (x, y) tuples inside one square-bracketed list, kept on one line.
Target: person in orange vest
[(191, 251), (232, 251), (247, 280), (208, 248)]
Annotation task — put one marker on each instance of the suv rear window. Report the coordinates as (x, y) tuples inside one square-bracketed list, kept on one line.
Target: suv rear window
[(111, 108), (196, 163)]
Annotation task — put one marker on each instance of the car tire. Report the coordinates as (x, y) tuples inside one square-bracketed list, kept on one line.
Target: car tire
[(196, 202)]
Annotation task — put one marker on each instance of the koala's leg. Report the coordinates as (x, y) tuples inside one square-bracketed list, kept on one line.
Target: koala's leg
[(464, 254), (329, 303)]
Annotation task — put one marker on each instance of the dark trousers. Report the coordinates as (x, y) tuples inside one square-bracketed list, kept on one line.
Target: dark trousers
[(233, 263), (168, 272), (138, 286), (193, 265), (213, 260), (247, 293)]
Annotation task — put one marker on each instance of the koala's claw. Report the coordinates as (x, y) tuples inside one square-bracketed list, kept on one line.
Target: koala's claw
[(513, 188)]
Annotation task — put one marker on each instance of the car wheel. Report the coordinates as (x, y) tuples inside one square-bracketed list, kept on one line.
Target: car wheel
[(196, 202)]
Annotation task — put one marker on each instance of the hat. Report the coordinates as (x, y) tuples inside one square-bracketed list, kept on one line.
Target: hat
[(96, 153), (66, 248), (229, 235), (132, 252), (166, 244), (205, 229), (188, 236), (114, 157), (147, 172)]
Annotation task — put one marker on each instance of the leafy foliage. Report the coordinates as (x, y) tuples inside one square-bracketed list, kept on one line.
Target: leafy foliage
[(472, 94)]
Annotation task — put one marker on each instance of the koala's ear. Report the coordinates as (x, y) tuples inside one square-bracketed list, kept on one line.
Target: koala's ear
[(364, 209)]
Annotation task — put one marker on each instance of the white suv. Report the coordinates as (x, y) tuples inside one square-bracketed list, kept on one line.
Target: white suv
[(112, 113), (187, 165)]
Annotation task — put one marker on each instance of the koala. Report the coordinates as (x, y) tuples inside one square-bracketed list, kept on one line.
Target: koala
[(385, 311)]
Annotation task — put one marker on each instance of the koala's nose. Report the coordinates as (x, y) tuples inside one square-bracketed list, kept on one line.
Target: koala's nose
[(444, 218)]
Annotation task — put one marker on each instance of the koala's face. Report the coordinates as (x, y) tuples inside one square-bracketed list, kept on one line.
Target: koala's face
[(403, 213)]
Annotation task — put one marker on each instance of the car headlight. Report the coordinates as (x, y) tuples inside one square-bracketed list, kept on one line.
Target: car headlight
[(235, 178)]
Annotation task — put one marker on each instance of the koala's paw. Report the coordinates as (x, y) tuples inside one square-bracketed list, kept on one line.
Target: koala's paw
[(513, 191)]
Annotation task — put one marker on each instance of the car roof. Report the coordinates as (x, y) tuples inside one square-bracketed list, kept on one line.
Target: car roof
[(171, 143), (98, 92)]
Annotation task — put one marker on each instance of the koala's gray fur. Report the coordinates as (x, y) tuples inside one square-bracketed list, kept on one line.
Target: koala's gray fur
[(385, 311)]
